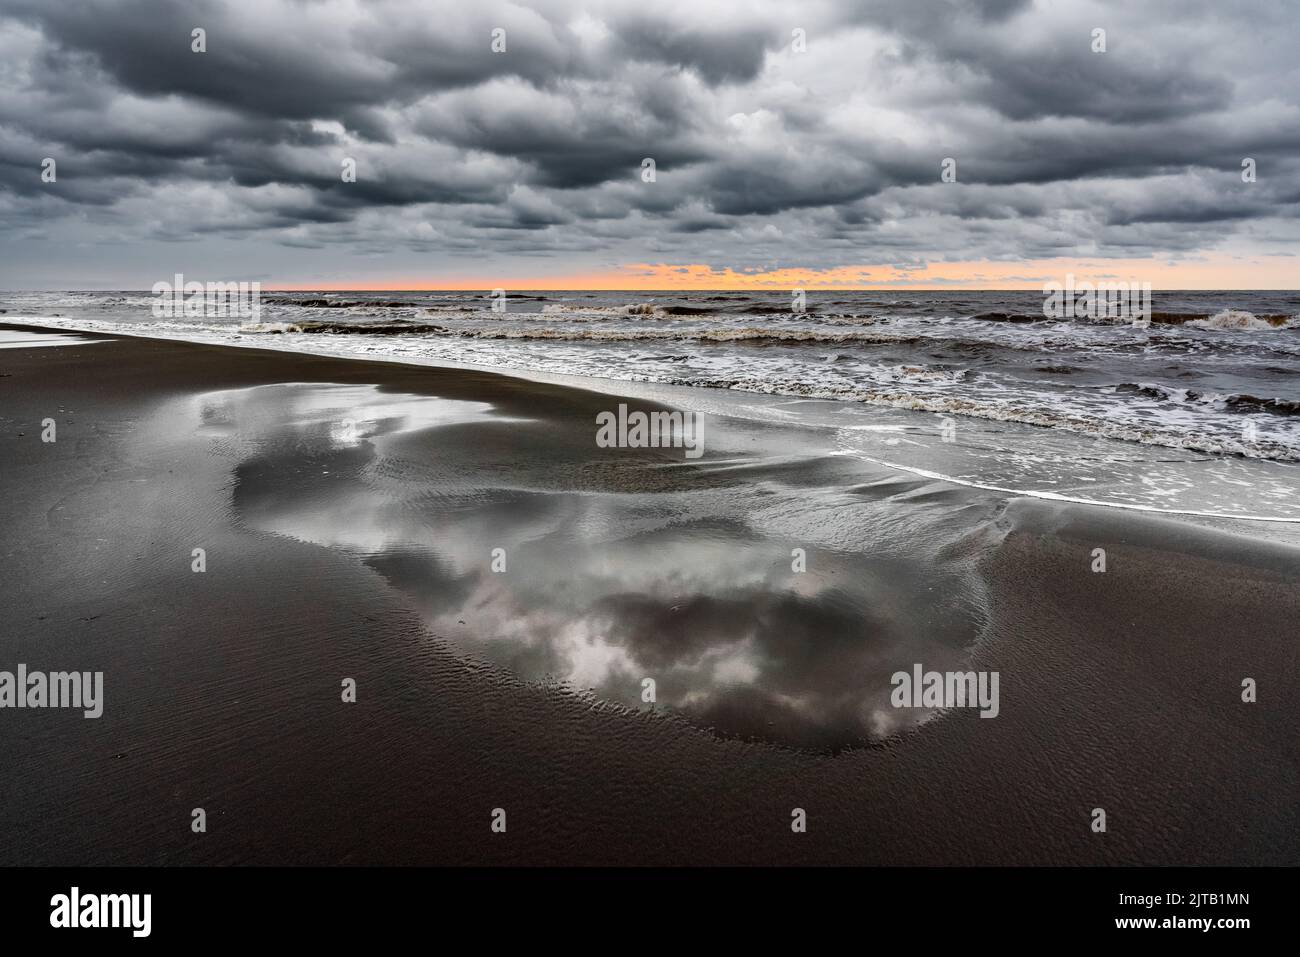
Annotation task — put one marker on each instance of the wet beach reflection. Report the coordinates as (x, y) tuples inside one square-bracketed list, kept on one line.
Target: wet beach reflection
[(763, 595)]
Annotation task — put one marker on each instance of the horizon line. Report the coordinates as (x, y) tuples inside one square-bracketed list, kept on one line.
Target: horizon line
[(487, 291)]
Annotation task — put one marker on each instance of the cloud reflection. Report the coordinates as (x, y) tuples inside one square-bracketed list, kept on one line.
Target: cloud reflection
[(603, 589)]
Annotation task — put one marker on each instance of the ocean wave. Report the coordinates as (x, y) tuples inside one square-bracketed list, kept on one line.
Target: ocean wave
[(1148, 390), (1058, 368), (396, 327), (1231, 402), (747, 334), (760, 309), (321, 303), (707, 335), (1012, 317), (1240, 319), (420, 302), (1039, 415), (1228, 319), (589, 313), (630, 309), (657, 310), (1250, 403), (474, 306)]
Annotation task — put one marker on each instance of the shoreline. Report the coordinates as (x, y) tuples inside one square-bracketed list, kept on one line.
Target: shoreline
[(741, 403), (903, 403), (1120, 690)]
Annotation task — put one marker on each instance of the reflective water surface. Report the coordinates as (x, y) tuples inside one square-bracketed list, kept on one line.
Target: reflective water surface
[(765, 590)]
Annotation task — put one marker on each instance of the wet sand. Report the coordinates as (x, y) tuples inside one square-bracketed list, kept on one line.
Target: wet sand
[(348, 511)]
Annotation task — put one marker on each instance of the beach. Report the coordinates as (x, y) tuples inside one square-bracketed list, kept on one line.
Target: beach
[(348, 514)]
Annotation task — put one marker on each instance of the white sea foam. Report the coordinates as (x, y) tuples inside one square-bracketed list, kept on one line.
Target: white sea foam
[(1238, 319), (694, 334), (1060, 415), (1217, 385), (1066, 498), (268, 327)]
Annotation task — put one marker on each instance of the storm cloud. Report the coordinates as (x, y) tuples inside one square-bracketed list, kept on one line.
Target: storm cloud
[(783, 135)]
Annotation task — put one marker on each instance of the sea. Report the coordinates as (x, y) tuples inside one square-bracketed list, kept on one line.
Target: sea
[(1195, 411)]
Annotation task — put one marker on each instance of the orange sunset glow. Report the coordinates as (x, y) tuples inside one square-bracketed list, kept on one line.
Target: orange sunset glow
[(1276, 272)]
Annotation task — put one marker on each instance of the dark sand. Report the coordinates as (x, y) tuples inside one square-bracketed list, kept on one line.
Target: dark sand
[(330, 559)]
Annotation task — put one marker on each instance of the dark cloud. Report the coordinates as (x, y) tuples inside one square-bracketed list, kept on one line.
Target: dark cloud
[(719, 52), (834, 152)]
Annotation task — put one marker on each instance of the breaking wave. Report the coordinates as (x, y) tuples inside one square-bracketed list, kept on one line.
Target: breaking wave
[(1240, 319), (1227, 319), (1235, 402), (396, 327), (339, 303), (746, 334), (1040, 415)]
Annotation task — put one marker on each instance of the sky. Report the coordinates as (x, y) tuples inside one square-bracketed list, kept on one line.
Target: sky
[(794, 144)]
